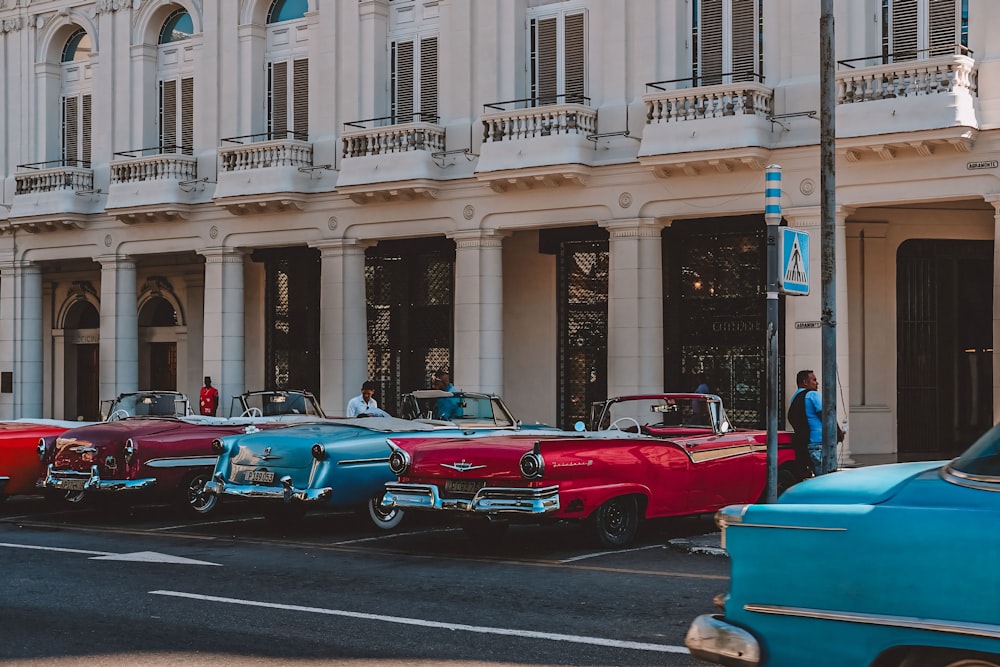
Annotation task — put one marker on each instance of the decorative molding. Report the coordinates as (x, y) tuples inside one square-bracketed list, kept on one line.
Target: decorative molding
[(12, 24), (114, 5)]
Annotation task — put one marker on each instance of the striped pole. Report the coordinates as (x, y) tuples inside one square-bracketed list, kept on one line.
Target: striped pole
[(772, 194), (772, 216)]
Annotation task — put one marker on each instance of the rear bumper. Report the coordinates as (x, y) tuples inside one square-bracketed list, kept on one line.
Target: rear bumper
[(286, 492), (3, 483), (71, 480), (712, 639), (488, 500)]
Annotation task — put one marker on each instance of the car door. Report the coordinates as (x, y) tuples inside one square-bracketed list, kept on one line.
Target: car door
[(722, 471)]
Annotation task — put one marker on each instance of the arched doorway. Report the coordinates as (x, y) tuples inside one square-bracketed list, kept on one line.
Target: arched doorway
[(82, 327), (157, 333)]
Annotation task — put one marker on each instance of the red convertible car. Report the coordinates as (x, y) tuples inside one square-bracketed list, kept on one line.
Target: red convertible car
[(19, 465), (152, 450), (656, 456)]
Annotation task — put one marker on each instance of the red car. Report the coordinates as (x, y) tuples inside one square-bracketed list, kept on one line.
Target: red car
[(19, 464), (658, 455)]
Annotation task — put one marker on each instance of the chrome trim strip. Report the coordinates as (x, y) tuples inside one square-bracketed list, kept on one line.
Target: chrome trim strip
[(487, 500), (351, 462), (182, 462), (981, 482), (773, 525), (985, 630)]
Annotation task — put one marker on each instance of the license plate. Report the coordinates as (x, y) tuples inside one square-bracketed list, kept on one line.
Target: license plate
[(72, 484), (462, 486), (260, 477)]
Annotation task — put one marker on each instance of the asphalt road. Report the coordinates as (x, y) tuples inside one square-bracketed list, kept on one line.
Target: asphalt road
[(152, 587)]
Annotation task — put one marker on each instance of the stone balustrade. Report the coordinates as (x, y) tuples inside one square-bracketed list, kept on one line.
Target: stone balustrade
[(154, 168), (910, 78), (260, 155), (533, 122), (53, 179), (394, 139), (732, 99)]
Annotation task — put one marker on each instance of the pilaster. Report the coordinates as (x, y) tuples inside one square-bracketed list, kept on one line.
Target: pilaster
[(119, 348), (224, 354)]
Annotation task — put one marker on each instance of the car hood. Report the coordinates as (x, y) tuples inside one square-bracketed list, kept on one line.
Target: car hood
[(857, 486), (291, 447), (479, 458)]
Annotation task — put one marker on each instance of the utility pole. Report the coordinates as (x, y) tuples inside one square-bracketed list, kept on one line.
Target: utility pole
[(827, 231), (772, 216)]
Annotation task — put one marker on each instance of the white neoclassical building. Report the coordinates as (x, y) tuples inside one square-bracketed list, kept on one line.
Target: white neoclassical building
[(554, 200)]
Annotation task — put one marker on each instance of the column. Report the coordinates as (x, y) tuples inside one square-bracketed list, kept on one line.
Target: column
[(119, 348), (223, 356), (8, 323), (635, 306), (995, 201), (479, 311), (803, 344), (21, 338), (343, 327)]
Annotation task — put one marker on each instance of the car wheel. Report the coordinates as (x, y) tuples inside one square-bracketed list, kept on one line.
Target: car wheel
[(385, 518), (196, 500), (485, 530), (946, 658), (616, 522)]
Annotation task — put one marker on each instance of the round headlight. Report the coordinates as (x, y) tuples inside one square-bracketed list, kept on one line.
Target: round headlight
[(129, 451), (218, 446), (399, 462), (532, 465), (319, 451)]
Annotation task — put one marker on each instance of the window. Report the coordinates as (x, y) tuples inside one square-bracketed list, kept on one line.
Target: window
[(287, 71), (727, 41), (914, 29), (76, 100), (176, 85), (558, 56), (413, 62)]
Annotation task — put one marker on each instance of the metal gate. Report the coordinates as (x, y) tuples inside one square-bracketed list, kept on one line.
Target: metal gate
[(409, 287), (714, 312)]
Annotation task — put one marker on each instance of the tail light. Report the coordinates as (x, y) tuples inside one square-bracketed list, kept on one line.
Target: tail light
[(129, 451), (319, 451), (532, 465), (399, 460), (218, 446)]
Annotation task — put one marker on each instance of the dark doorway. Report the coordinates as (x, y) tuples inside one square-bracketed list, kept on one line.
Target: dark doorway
[(714, 312), (409, 287), (292, 298), (944, 376), (88, 399), (163, 366)]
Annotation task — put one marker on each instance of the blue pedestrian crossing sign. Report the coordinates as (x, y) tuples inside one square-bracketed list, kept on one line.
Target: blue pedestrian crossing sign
[(793, 254)]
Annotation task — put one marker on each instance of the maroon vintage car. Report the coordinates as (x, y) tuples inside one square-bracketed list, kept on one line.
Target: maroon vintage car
[(19, 464), (152, 451), (657, 456)]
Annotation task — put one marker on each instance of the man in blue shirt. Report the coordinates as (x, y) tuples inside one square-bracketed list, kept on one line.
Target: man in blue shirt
[(805, 416), (446, 408)]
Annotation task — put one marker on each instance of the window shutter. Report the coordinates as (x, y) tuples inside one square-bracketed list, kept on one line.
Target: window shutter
[(300, 103), (575, 41), (710, 32), (71, 149), (943, 20), (402, 70), (429, 80), (168, 113), (744, 40), (544, 61), (278, 100), (86, 133), (187, 116), (904, 29)]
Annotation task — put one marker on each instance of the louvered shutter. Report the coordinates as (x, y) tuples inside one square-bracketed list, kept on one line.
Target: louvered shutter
[(300, 103), (168, 114), (710, 33), (71, 134), (943, 27), (904, 29), (278, 100), (85, 135), (744, 40), (187, 115), (575, 58), (429, 80), (402, 82), (545, 62)]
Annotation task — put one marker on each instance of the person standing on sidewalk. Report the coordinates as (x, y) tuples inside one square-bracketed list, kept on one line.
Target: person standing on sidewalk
[(805, 416)]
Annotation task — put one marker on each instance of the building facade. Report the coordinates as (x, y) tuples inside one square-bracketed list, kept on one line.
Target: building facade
[(557, 201)]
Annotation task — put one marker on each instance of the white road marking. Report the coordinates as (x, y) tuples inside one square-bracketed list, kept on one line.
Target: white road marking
[(207, 523), (393, 535), (137, 557), (609, 553), (528, 634)]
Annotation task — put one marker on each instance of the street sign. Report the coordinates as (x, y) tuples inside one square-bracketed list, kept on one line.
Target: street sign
[(793, 254)]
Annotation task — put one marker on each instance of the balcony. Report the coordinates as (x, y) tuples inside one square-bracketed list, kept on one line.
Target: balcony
[(54, 195), (154, 184), (722, 127), (385, 160), (907, 104), (266, 173), (535, 142)]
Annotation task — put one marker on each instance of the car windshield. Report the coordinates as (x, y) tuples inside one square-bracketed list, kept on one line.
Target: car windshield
[(459, 407), (148, 404), (276, 403), (657, 412), (982, 459)]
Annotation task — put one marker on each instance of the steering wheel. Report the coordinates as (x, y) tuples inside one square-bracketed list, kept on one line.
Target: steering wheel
[(616, 424), (118, 414), (252, 412)]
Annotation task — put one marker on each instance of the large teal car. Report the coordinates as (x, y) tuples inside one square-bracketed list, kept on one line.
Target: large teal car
[(888, 566)]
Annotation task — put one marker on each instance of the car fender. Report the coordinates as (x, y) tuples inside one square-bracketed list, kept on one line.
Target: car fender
[(581, 502)]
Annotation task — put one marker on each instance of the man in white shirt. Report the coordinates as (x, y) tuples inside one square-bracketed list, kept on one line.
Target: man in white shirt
[(363, 404)]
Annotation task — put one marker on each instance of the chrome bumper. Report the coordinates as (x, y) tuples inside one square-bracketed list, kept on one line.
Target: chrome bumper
[(3, 483), (488, 500), (712, 639), (70, 480), (286, 492)]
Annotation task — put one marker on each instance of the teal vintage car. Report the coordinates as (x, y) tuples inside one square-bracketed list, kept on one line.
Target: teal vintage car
[(888, 566)]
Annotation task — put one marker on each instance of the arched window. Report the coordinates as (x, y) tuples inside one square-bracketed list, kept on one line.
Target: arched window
[(77, 47), (177, 27), (286, 10)]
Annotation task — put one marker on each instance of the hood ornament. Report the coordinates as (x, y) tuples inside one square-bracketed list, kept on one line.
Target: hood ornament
[(461, 466), (266, 456)]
